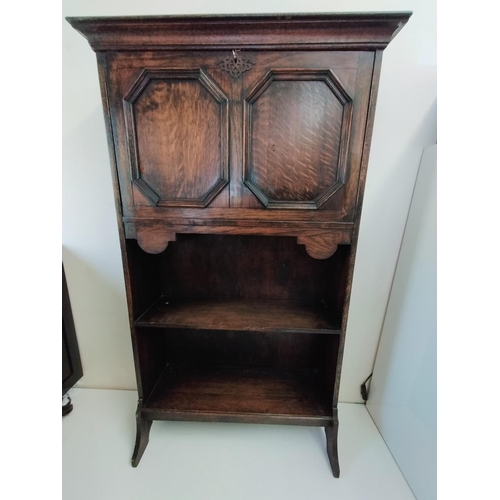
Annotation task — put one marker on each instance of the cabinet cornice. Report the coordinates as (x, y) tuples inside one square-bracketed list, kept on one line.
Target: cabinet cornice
[(341, 31)]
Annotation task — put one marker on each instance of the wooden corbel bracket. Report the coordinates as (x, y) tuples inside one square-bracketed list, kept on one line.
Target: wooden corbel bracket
[(154, 239), (320, 246)]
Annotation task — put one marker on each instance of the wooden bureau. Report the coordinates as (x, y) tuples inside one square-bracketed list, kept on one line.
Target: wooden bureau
[(239, 147)]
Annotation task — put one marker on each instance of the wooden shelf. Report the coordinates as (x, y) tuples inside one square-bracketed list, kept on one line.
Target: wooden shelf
[(238, 314), (239, 395)]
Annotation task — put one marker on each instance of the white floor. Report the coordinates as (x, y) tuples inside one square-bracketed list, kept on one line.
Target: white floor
[(205, 461)]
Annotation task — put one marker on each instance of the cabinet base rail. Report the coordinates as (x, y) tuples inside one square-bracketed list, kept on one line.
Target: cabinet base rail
[(145, 417)]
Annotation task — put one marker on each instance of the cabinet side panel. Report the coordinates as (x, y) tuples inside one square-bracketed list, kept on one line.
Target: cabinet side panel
[(369, 75), (103, 68), (336, 279), (144, 272), (150, 349), (327, 364)]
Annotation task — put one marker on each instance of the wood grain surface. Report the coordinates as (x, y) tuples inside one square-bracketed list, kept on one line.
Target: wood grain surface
[(245, 267), (248, 349), (297, 130), (340, 31), (240, 394), (215, 178), (336, 70), (238, 314), (178, 137), (154, 238)]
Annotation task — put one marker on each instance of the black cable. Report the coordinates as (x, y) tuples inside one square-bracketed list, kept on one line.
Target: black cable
[(364, 390)]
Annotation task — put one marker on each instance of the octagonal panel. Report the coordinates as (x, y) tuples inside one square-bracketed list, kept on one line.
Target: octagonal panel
[(177, 127), (297, 133)]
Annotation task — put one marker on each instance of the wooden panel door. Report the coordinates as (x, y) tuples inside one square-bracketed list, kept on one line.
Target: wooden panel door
[(171, 130), (247, 129), (177, 136), (297, 129), (303, 120)]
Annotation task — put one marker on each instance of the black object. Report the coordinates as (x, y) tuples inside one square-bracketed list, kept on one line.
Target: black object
[(71, 362), (364, 390), (67, 408)]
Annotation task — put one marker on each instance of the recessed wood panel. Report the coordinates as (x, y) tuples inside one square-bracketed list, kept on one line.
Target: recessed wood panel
[(178, 137), (297, 130), (267, 268), (207, 392)]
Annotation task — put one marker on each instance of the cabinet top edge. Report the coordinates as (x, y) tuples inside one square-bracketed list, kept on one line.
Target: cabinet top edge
[(363, 30), (318, 16)]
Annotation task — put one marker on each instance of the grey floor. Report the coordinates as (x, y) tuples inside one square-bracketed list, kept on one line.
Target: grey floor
[(198, 461)]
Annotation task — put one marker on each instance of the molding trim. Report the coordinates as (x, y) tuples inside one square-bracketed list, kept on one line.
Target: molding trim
[(345, 31), (154, 236)]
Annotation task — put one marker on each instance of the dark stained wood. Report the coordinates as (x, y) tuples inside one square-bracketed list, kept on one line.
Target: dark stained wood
[(177, 137), (239, 217), (152, 354), (123, 78), (149, 352), (341, 31), (321, 245), (142, 437), (338, 273), (238, 314), (325, 362), (332, 431), (338, 199), (128, 266), (335, 73), (238, 190), (345, 64), (297, 126), (243, 267), (249, 349), (141, 267), (153, 237), (239, 150), (171, 131), (239, 395)]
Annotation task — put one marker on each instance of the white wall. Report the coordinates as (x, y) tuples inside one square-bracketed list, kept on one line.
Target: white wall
[(402, 399), (404, 125)]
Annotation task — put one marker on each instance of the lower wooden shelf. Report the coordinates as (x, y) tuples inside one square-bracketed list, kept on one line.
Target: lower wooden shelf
[(254, 395)]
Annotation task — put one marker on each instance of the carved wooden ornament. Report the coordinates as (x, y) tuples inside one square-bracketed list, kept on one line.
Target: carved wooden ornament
[(236, 65)]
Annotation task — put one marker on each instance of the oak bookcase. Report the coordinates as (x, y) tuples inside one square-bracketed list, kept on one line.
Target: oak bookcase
[(239, 147)]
